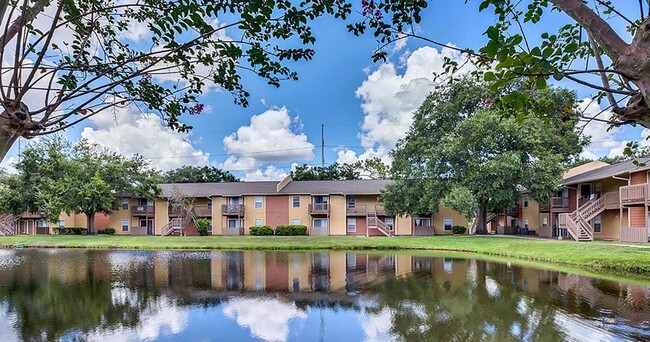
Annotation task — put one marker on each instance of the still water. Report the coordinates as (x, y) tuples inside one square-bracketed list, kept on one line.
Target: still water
[(275, 296)]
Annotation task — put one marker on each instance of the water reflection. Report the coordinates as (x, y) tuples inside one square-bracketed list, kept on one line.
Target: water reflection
[(274, 296)]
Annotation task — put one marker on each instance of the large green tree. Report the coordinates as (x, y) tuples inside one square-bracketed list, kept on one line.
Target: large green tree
[(198, 174), (604, 45), (330, 172), (66, 60), (459, 144), (57, 176)]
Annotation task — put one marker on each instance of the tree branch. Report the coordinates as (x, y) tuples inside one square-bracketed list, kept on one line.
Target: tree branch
[(603, 76)]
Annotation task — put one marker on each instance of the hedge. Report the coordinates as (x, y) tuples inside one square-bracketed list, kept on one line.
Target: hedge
[(107, 231), (458, 230), (297, 229), (261, 230), (70, 230)]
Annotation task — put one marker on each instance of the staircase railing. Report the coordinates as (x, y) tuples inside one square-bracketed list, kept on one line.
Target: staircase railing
[(373, 222), (7, 225), (591, 209)]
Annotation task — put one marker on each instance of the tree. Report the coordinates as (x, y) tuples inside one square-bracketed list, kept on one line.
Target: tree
[(373, 168), (331, 172), (198, 174), (590, 50), (459, 144), (56, 176), (66, 60)]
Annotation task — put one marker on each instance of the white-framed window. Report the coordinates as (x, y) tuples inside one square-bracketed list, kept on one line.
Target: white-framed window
[(258, 202), (320, 223), (210, 227), (295, 221), (296, 201), (125, 225), (389, 222), (352, 225), (352, 202), (525, 201), (144, 201), (210, 204), (61, 223), (125, 204), (321, 199), (448, 222), (258, 222), (423, 222), (526, 223), (544, 221), (41, 223), (234, 200), (233, 223), (597, 224), (598, 188)]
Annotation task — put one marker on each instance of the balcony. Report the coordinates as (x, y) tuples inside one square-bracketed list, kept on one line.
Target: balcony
[(379, 209), (357, 210), (319, 208), (142, 210), (612, 200), (232, 209), (634, 194), (202, 211), (544, 207), (512, 212), (560, 204)]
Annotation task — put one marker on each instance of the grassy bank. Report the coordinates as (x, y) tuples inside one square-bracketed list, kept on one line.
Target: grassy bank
[(596, 255)]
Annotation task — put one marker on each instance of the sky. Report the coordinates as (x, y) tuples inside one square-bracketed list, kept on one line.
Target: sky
[(357, 107)]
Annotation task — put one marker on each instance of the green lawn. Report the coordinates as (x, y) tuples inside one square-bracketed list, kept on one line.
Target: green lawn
[(612, 256)]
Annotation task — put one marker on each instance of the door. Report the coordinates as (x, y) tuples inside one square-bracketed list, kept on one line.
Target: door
[(150, 227)]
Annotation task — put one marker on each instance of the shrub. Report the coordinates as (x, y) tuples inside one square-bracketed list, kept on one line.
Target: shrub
[(202, 226), (107, 231), (261, 230), (458, 230), (291, 230), (70, 230)]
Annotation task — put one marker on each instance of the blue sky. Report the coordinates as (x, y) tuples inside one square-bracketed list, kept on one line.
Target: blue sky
[(364, 106)]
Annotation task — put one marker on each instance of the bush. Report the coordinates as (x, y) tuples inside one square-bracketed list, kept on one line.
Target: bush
[(458, 230), (107, 231), (202, 226), (291, 230), (261, 230), (70, 230)]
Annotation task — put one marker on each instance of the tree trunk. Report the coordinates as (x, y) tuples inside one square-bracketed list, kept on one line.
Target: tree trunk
[(480, 219), (7, 139), (90, 222)]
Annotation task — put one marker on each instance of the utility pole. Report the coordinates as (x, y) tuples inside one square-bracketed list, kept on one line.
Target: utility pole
[(322, 144)]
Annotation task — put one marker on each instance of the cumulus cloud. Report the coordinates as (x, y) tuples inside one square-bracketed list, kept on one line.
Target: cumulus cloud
[(377, 326), (270, 137), (389, 99), (127, 131), (603, 140), (268, 319)]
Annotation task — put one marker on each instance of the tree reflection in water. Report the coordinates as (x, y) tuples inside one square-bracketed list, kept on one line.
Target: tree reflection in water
[(274, 296)]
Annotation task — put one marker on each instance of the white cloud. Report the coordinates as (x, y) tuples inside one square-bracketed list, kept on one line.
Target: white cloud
[(270, 137), (377, 326), (268, 319), (603, 140), (271, 173), (390, 98), (127, 132)]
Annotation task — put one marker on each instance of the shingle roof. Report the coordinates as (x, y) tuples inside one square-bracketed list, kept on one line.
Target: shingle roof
[(345, 187), (607, 171)]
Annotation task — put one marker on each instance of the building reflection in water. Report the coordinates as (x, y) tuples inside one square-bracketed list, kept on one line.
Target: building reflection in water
[(274, 296)]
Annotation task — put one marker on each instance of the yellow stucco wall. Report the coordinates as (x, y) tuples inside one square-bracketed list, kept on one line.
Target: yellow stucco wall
[(338, 216), (217, 219), (610, 225), (438, 220), (404, 225), (252, 213), (531, 212), (116, 217), (161, 217), (301, 213)]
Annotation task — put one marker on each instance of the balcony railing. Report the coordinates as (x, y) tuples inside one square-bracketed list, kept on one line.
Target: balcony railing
[(634, 194), (544, 207), (142, 210), (560, 203), (202, 210), (612, 200), (357, 210), (232, 209), (423, 231), (379, 209), (512, 212), (319, 208)]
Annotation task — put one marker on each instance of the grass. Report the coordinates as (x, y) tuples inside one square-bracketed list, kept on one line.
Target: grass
[(598, 255)]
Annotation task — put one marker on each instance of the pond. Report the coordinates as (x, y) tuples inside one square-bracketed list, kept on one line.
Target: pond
[(277, 296)]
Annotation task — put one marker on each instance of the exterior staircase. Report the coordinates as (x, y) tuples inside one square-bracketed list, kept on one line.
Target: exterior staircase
[(577, 222), (7, 225), (177, 224), (373, 222)]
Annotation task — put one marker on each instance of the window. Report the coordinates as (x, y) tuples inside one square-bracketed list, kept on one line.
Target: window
[(525, 201), (321, 199), (258, 202), (320, 223), (352, 202), (422, 222), (597, 224), (526, 223), (352, 225), (210, 204), (597, 189), (233, 223), (545, 221), (41, 223), (125, 225), (513, 222), (234, 200), (295, 221), (210, 227), (258, 222), (144, 201), (389, 222), (125, 204), (296, 201), (447, 222), (62, 223)]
